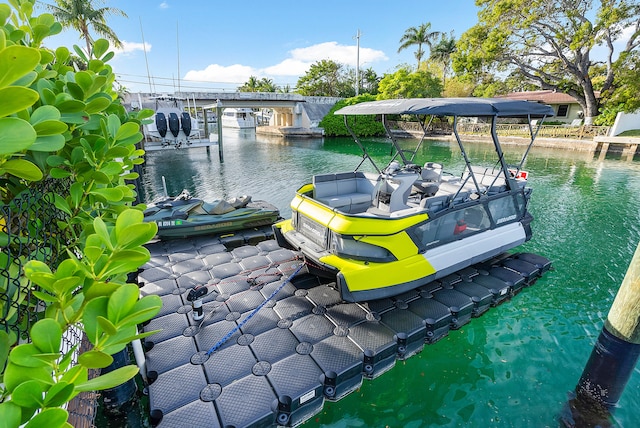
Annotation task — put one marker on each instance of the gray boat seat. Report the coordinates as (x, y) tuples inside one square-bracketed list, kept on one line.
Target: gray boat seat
[(347, 191), (492, 179), (429, 181), (435, 203)]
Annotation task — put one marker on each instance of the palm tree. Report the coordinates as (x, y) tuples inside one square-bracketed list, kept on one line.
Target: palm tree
[(83, 14), (442, 52), (418, 36), (251, 85)]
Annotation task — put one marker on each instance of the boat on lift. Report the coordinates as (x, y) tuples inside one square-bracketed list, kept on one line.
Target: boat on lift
[(184, 216), (385, 233), (239, 118), (172, 126)]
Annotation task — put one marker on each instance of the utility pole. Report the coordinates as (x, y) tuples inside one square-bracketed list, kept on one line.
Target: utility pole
[(358, 62)]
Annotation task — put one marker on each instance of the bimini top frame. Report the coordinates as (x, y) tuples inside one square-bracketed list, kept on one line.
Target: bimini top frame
[(456, 107)]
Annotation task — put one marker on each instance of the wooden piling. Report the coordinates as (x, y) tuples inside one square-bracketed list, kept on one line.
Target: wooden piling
[(614, 356), (624, 316)]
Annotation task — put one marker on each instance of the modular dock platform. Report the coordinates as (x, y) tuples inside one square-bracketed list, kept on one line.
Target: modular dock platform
[(275, 342)]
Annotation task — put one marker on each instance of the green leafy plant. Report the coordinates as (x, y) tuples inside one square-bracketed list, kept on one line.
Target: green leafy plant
[(59, 122), (366, 126)]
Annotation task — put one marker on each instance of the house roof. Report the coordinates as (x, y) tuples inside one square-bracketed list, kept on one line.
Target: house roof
[(545, 97)]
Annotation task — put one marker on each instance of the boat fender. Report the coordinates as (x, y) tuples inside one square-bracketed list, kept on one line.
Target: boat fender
[(195, 297)]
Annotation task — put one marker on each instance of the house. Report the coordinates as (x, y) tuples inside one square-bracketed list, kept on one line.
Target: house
[(566, 107)]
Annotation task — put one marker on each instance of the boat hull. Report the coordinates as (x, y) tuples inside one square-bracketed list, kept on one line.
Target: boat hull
[(255, 214), (372, 257)]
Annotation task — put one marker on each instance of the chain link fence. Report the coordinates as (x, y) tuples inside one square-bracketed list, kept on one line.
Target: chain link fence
[(29, 229)]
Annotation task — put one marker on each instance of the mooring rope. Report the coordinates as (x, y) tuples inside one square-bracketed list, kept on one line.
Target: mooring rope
[(251, 280), (255, 311)]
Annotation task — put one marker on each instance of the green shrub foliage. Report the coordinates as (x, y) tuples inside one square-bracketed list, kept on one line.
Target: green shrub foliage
[(363, 126), (60, 123)]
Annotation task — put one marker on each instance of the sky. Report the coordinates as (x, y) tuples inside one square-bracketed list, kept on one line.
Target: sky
[(213, 45)]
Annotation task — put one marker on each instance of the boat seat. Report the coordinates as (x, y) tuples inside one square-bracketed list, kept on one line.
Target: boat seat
[(491, 180), (429, 180), (347, 191), (435, 203)]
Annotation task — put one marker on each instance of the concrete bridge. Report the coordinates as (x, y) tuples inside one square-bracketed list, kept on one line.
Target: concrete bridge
[(294, 111)]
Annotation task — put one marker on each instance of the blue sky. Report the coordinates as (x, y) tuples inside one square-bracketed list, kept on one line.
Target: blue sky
[(220, 44)]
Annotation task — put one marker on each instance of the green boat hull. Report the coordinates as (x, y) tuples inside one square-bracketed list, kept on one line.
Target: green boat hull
[(255, 214)]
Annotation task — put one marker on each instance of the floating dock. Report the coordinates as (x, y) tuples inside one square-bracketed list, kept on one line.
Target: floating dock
[(273, 342)]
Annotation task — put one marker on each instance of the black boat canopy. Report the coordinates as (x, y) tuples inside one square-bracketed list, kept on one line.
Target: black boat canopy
[(471, 107)]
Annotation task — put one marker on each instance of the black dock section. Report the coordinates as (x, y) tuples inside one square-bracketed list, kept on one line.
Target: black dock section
[(270, 342)]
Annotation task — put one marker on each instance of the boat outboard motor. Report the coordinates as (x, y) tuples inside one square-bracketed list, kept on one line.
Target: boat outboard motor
[(174, 124), (161, 124), (186, 123)]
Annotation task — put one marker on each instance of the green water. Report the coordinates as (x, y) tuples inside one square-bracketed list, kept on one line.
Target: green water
[(514, 366)]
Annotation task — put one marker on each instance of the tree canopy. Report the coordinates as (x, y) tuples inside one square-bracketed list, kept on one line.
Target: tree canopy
[(82, 15), (550, 43), (407, 84), (326, 78), (258, 85)]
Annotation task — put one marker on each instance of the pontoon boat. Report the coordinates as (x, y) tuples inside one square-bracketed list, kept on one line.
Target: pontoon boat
[(382, 234)]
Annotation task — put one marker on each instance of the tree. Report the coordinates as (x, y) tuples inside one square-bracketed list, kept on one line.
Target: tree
[(325, 78), (624, 95), (458, 87), (442, 52), (406, 84), (82, 15), (418, 36), (250, 85), (255, 85), (369, 80), (549, 42)]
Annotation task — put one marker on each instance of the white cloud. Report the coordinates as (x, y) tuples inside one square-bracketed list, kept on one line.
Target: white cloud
[(131, 47), (222, 74), (339, 53), (164, 5), (297, 64)]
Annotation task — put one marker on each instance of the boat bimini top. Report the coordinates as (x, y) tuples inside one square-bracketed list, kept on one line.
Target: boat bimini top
[(493, 108)]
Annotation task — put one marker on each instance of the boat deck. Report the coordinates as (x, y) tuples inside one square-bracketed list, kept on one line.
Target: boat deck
[(276, 342)]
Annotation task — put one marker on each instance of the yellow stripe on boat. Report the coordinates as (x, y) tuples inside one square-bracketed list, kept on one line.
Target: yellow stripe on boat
[(362, 276), (351, 225)]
